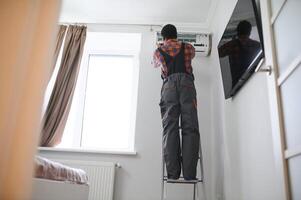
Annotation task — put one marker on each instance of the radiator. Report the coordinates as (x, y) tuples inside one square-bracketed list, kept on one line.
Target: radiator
[(101, 177)]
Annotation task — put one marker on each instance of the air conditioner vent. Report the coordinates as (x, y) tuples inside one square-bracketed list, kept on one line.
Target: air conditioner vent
[(200, 41)]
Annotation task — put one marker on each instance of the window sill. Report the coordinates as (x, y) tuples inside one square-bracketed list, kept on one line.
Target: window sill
[(79, 150)]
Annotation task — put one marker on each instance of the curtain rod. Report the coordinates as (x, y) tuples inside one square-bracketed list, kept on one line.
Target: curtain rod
[(109, 24)]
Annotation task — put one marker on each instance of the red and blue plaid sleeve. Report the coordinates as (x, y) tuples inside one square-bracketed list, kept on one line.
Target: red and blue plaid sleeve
[(156, 59), (189, 51)]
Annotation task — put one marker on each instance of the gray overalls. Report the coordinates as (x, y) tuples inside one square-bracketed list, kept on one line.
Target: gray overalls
[(178, 102)]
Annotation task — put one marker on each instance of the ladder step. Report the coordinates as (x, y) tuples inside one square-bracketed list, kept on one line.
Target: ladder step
[(181, 177), (182, 157), (182, 181)]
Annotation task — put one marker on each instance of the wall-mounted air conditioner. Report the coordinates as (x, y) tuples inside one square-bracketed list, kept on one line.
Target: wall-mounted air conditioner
[(200, 41)]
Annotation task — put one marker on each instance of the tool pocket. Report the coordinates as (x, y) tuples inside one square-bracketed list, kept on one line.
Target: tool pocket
[(162, 108)]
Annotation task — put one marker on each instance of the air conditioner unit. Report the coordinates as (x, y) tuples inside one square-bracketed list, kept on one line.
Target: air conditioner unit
[(200, 41)]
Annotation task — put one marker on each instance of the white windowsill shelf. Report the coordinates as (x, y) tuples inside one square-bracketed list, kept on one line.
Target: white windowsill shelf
[(79, 150)]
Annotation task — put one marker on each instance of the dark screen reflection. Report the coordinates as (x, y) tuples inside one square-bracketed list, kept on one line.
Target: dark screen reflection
[(242, 50)]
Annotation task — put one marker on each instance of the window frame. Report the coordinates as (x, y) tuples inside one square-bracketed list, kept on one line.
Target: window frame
[(82, 83)]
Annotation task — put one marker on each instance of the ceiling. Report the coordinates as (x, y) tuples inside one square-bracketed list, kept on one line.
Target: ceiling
[(138, 11)]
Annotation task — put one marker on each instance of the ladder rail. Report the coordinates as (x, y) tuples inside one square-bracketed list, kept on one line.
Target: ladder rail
[(165, 179), (201, 162)]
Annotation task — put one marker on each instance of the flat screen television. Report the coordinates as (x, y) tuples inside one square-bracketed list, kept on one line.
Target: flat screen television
[(241, 47)]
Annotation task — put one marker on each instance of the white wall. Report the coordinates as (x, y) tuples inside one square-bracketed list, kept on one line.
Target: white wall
[(140, 175), (246, 144)]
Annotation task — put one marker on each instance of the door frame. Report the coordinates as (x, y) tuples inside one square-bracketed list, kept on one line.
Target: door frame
[(277, 123)]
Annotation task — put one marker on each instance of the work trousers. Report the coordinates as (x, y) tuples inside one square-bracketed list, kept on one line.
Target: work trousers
[(178, 104)]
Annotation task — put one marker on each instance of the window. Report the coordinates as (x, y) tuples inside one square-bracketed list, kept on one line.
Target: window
[(107, 114), (103, 110)]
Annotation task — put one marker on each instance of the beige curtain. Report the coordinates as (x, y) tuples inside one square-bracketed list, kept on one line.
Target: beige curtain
[(27, 39), (59, 41), (58, 108)]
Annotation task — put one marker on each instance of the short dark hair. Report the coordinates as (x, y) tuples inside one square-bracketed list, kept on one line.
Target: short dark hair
[(169, 31), (244, 28)]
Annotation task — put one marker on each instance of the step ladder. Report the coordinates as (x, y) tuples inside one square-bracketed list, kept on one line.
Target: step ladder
[(181, 180)]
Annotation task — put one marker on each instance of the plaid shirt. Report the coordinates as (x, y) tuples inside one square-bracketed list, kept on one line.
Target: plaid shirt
[(172, 47)]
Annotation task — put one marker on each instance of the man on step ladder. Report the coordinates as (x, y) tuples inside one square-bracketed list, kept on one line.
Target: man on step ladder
[(178, 102)]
